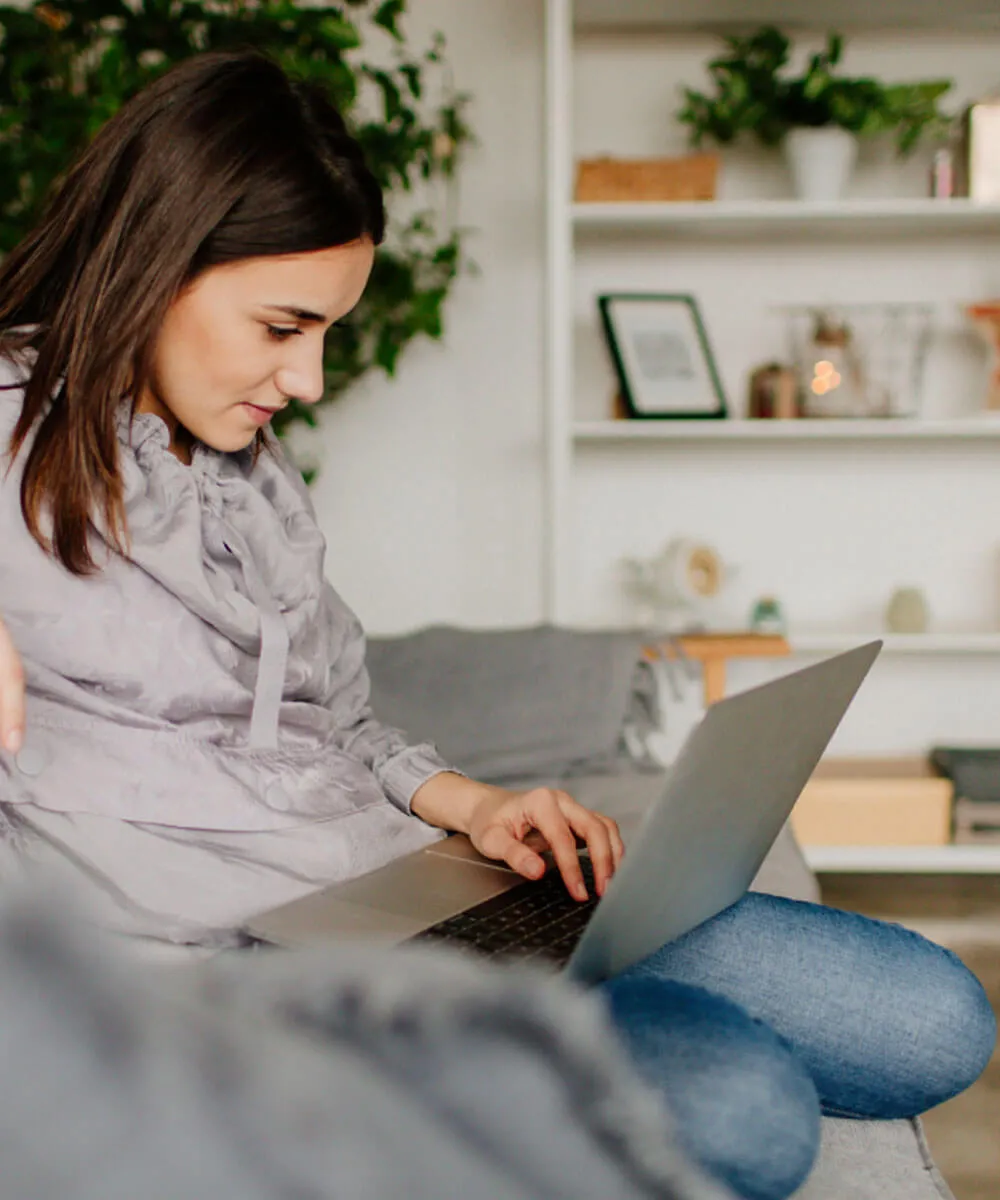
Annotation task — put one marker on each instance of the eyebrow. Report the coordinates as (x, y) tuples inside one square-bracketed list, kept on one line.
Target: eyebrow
[(300, 314)]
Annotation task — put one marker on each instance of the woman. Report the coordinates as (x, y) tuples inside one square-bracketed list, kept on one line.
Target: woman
[(198, 743)]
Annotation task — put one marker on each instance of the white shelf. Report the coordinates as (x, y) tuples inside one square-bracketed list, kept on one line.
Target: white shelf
[(777, 218), (984, 642), (970, 860), (664, 14), (734, 430)]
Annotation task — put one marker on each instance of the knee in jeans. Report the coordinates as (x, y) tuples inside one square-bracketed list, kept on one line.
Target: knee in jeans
[(967, 1032), (744, 1106), (763, 1134)]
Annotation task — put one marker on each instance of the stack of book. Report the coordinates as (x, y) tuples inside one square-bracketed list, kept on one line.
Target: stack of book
[(975, 774)]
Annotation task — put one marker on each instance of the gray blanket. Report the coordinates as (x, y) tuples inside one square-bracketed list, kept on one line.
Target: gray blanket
[(354, 1075)]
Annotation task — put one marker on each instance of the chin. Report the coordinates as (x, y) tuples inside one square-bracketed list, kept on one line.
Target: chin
[(228, 441)]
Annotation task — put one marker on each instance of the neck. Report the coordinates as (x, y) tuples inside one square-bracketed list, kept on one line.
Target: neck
[(180, 439)]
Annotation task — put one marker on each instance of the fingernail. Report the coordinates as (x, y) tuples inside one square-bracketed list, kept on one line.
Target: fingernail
[(14, 740), (580, 892)]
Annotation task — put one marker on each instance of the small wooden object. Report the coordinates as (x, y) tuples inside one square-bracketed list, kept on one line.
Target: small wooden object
[(603, 180), (774, 393), (874, 802), (713, 650)]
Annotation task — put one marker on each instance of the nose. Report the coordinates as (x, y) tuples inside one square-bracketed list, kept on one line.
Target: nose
[(300, 376)]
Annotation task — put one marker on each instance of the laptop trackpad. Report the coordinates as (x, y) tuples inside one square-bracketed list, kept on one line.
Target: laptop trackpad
[(390, 904), (427, 886)]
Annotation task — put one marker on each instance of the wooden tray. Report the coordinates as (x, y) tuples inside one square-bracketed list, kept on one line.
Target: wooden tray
[(692, 177)]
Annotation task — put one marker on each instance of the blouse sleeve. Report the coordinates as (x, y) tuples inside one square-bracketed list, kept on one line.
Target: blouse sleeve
[(399, 767)]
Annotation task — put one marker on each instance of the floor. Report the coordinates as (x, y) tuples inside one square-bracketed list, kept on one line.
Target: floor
[(962, 912)]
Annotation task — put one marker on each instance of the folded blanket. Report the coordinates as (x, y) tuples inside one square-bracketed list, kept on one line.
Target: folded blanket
[(354, 1075)]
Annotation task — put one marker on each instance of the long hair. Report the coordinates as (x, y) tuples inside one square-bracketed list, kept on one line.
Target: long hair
[(223, 158)]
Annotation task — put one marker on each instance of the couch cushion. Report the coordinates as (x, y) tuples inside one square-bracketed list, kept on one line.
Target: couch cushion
[(874, 1160), (510, 705)]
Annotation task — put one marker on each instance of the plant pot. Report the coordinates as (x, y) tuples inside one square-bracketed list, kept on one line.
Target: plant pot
[(821, 161)]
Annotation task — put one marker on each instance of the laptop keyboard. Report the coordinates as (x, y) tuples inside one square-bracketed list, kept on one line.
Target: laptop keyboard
[(535, 919)]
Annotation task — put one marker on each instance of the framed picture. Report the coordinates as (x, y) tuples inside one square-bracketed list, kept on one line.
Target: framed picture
[(661, 355)]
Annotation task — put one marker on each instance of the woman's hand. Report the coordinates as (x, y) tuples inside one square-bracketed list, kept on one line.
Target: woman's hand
[(11, 694), (515, 826)]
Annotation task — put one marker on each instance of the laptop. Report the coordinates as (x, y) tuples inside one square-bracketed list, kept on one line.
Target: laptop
[(695, 852)]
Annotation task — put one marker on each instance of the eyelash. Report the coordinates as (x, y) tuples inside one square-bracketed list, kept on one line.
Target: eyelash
[(281, 333)]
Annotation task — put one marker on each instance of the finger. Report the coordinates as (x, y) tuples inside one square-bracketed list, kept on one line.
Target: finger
[(11, 695), (547, 816), (592, 829), (617, 845), (500, 843)]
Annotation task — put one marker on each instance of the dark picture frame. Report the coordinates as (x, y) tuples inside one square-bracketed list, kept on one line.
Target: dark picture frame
[(662, 357)]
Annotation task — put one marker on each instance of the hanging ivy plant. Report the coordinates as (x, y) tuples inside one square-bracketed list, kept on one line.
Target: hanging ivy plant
[(67, 65)]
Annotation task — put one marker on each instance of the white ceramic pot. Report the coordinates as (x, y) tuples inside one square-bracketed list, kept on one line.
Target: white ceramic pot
[(821, 161)]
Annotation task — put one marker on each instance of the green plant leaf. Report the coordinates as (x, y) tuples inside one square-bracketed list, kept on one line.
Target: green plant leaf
[(339, 33), (387, 16), (753, 95)]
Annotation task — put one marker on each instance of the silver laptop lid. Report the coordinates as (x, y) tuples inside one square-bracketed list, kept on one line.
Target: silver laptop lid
[(731, 789)]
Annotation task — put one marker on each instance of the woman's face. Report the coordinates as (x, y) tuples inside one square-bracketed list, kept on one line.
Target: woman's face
[(246, 338)]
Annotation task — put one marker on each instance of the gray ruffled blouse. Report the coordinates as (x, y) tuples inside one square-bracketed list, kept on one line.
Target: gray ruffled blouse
[(211, 683)]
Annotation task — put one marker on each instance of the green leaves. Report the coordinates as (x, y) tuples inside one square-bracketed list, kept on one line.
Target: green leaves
[(751, 96), (387, 16), (338, 32), (68, 65)]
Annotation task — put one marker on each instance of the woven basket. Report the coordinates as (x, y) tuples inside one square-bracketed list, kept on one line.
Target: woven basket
[(618, 179)]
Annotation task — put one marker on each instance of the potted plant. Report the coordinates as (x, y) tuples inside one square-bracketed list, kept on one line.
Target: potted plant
[(817, 116)]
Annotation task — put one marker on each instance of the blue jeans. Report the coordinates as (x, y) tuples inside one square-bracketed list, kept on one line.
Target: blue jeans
[(776, 1011)]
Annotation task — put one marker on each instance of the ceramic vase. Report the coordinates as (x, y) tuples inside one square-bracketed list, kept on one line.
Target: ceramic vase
[(907, 611), (821, 161)]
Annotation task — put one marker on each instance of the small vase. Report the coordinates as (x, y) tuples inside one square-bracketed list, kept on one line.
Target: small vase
[(907, 611), (821, 161)]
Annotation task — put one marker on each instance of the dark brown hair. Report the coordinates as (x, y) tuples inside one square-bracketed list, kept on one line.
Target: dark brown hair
[(222, 158)]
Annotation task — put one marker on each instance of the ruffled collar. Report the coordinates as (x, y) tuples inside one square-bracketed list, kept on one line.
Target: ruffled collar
[(148, 437), (235, 541)]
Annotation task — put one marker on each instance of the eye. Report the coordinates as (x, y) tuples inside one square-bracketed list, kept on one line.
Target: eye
[(281, 333)]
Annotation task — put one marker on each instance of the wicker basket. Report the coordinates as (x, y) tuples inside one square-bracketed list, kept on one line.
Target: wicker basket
[(618, 179)]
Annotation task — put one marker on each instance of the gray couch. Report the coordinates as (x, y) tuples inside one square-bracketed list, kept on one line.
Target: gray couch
[(539, 704)]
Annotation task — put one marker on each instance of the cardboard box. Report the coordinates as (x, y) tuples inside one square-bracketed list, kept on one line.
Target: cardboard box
[(874, 802)]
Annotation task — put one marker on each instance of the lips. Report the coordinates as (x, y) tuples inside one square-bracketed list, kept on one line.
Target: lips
[(258, 414)]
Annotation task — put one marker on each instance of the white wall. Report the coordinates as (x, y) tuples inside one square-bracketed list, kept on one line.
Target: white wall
[(430, 493)]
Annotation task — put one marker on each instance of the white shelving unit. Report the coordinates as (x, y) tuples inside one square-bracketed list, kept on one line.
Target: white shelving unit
[(599, 232), (978, 643), (570, 227), (644, 14), (932, 860), (971, 429), (781, 218)]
